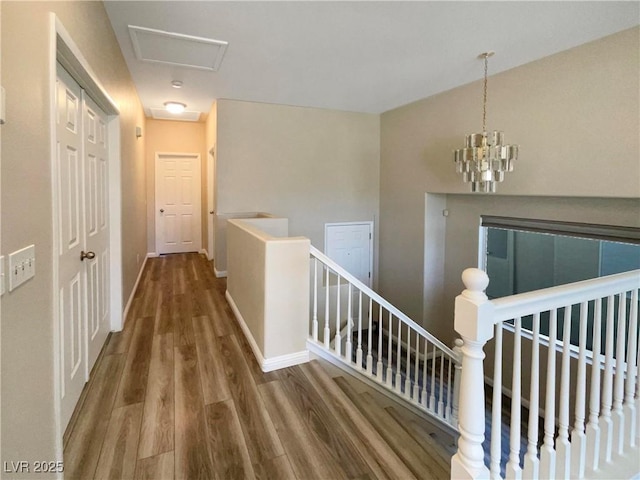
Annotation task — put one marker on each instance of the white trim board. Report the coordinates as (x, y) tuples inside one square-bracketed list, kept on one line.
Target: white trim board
[(219, 273), (266, 364), (318, 350)]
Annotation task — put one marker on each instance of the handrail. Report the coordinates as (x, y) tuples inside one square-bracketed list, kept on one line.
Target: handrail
[(595, 408), (523, 304), (381, 301)]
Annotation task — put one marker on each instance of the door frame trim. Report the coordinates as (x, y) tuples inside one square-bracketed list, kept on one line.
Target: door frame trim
[(155, 194), (344, 224), (211, 203), (63, 49)]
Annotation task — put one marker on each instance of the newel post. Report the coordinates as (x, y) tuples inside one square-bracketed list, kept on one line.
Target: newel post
[(474, 323)]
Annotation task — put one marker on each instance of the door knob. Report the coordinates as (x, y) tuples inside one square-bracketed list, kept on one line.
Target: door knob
[(211, 212), (162, 210), (89, 255)]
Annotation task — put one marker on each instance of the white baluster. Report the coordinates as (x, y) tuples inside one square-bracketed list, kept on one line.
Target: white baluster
[(423, 398), (593, 428), (347, 345), (338, 337), (369, 346), (327, 330), (637, 424), (578, 439), (457, 349), (630, 413), (416, 386), (389, 374), (547, 452), (432, 397), (407, 368), (448, 410), (359, 349), (315, 299), (606, 423), (513, 470), (474, 323), (496, 407), (397, 384), (618, 389), (379, 365), (441, 393), (531, 462), (563, 447)]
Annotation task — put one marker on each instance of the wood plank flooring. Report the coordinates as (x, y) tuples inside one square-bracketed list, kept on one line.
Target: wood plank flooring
[(178, 395)]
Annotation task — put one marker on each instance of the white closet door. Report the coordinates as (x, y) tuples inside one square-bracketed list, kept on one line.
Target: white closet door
[(96, 232), (71, 282), (82, 204)]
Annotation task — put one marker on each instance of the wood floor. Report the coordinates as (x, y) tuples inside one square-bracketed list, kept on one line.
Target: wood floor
[(178, 395)]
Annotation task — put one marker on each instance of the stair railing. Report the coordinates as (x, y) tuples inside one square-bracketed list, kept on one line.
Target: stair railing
[(593, 327), (359, 328)]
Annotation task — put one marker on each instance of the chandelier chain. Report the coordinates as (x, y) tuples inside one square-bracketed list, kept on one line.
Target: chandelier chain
[(484, 101)]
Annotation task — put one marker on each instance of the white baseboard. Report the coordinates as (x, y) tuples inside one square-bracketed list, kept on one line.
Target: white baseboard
[(204, 252), (266, 364), (152, 255), (219, 273), (133, 292), (284, 361)]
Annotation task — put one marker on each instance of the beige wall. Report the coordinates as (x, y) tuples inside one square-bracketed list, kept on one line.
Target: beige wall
[(575, 117), (310, 165), (28, 431), (166, 136), (269, 284)]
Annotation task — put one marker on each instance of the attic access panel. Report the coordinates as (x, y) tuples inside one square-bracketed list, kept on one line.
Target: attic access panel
[(170, 48)]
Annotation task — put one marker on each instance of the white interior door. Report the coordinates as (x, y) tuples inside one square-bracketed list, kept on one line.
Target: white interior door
[(71, 285), (350, 246), (178, 203), (96, 233)]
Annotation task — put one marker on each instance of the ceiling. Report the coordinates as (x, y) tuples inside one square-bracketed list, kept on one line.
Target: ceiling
[(356, 56)]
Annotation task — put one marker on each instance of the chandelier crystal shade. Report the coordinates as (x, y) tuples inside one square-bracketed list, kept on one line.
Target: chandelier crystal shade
[(485, 158)]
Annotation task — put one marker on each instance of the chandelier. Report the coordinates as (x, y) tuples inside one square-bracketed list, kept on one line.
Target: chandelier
[(485, 159)]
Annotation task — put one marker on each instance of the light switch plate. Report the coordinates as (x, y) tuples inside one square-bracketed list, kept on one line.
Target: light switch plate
[(22, 266), (2, 276)]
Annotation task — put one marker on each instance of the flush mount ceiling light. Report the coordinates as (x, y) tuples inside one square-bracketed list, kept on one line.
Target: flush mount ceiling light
[(176, 84), (485, 159), (175, 107)]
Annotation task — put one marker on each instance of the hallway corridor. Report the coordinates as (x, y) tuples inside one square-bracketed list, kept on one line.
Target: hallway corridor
[(178, 395)]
